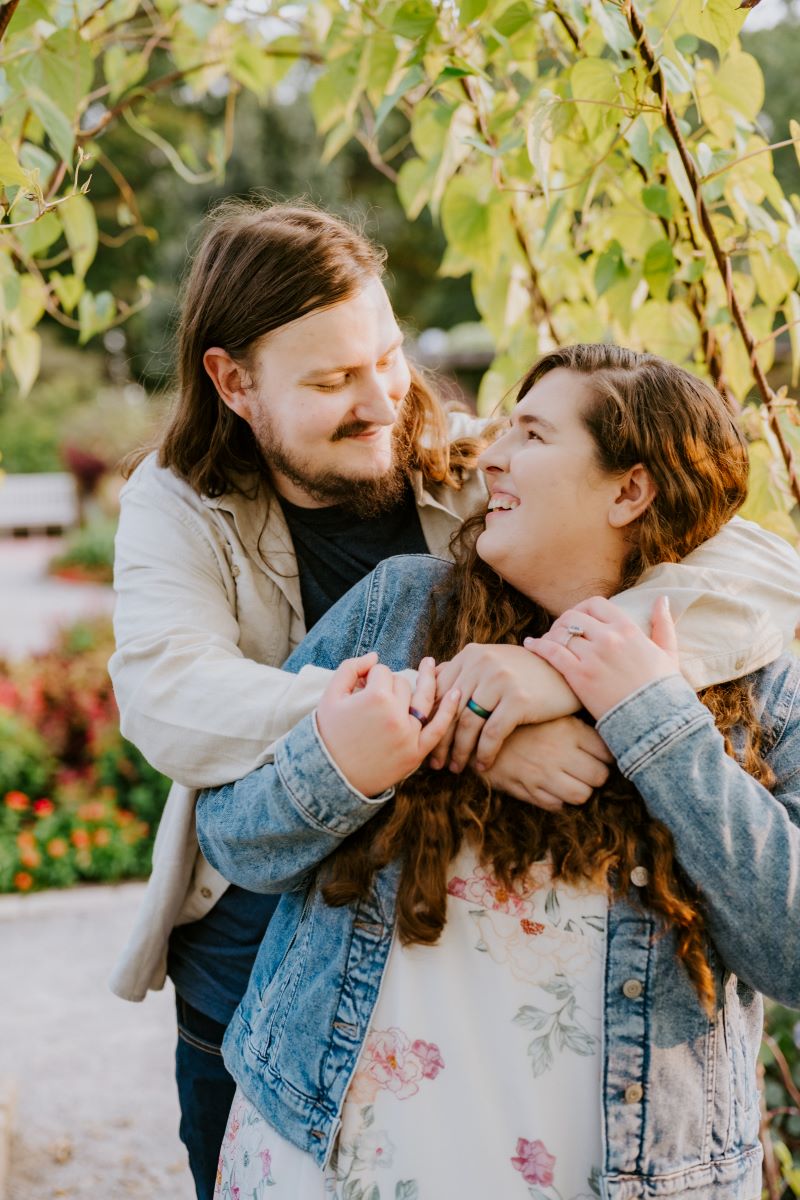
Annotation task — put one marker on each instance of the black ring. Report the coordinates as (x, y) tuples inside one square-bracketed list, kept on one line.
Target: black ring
[(414, 712)]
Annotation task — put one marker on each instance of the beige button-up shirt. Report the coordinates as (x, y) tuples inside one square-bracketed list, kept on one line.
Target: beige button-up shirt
[(208, 608)]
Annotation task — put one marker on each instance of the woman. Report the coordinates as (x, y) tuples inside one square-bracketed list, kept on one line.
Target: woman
[(570, 1005)]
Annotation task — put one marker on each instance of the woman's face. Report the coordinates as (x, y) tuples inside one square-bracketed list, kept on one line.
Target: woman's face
[(552, 527)]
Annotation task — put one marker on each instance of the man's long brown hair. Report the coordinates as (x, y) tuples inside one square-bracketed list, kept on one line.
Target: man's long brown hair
[(257, 268), (642, 410)]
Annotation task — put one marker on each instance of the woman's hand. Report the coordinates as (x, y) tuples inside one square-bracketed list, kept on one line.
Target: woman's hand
[(507, 682), (559, 762), (365, 722), (610, 657)]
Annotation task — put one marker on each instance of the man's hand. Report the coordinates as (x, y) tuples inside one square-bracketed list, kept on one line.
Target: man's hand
[(364, 720), (499, 679), (550, 765)]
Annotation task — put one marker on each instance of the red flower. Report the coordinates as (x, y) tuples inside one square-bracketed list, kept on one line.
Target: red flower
[(429, 1055), (80, 838), (23, 882), (43, 807), (57, 847), (17, 801), (534, 1162), (531, 927)]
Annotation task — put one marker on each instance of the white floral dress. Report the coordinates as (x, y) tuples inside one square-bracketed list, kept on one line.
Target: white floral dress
[(480, 1074)]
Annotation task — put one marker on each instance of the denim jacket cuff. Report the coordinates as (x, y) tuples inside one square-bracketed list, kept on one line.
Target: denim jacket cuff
[(315, 783), (650, 718)]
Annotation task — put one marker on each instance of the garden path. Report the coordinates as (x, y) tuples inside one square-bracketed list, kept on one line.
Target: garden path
[(97, 1111), (33, 606)]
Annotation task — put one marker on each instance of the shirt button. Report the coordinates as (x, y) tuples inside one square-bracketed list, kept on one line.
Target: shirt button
[(235, 571), (740, 662), (633, 1093), (632, 988), (640, 876), (206, 893)]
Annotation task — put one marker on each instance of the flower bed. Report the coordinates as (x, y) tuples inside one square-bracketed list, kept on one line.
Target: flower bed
[(77, 801)]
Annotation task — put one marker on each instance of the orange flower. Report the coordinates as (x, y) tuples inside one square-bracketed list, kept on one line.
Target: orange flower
[(17, 800), (26, 840), (30, 857), (92, 810), (57, 847), (23, 882), (124, 817), (102, 837), (43, 807), (80, 838)]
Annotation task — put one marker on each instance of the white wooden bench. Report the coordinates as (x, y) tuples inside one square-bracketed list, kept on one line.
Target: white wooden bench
[(38, 503)]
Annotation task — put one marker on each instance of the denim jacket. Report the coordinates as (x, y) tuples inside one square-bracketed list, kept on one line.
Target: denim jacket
[(680, 1106)]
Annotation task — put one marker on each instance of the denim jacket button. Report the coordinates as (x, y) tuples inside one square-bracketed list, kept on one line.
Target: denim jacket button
[(633, 1093), (632, 989), (640, 876)]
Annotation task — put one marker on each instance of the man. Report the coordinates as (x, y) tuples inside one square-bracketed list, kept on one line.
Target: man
[(302, 450)]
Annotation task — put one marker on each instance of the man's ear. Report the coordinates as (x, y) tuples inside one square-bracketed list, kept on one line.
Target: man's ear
[(232, 381), (635, 493)]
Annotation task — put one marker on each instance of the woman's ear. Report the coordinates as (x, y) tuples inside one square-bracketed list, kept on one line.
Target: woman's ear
[(231, 380), (635, 493)]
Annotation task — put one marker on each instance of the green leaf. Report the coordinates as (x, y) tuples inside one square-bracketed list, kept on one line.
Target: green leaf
[(715, 21), (659, 268), (666, 329), (638, 138), (610, 268), (794, 133), (774, 272), (412, 78), (514, 18), (123, 70), (200, 18), (80, 229), (594, 82), (57, 127), (68, 290), (41, 235), (406, 1189), (465, 219), (541, 1056), (11, 173), (62, 69), (792, 317), (251, 66), (656, 198), (470, 10), (24, 351), (541, 135), (414, 20), (414, 183)]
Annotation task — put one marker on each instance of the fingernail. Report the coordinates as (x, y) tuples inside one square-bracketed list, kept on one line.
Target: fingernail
[(480, 766), (454, 767)]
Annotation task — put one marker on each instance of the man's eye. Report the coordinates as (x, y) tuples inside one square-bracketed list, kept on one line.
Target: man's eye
[(534, 436), (331, 387)]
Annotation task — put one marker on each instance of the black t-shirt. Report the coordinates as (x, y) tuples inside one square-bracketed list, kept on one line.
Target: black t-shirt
[(336, 549), (210, 960)]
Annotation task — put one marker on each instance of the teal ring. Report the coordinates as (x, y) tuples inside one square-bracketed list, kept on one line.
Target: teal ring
[(479, 711)]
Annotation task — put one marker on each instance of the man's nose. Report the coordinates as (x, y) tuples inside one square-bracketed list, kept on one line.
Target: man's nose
[(375, 405)]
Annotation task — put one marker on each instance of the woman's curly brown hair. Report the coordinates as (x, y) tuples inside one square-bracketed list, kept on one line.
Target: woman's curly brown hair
[(643, 410)]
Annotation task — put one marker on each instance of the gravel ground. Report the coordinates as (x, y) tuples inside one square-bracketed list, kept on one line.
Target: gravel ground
[(97, 1111)]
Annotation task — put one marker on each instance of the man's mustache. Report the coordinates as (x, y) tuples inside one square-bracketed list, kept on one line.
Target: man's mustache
[(352, 430)]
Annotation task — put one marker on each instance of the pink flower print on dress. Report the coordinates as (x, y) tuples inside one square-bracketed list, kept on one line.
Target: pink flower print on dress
[(483, 890), (429, 1056), (390, 1061), (266, 1163), (534, 1162)]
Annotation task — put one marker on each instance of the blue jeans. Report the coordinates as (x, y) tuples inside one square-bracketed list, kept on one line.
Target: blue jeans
[(205, 1093)]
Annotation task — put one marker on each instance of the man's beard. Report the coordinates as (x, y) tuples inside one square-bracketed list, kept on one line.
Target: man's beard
[(362, 496)]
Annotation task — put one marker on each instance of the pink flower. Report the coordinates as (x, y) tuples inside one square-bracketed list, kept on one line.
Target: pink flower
[(534, 1162), (484, 890), (458, 887), (389, 1060), (266, 1163), (429, 1056)]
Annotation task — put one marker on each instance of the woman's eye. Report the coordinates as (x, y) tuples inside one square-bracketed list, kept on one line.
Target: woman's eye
[(534, 436)]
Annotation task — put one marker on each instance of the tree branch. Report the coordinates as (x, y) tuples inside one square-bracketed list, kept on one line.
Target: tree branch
[(6, 13)]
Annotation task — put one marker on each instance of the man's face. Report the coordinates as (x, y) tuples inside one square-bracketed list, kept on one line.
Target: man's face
[(326, 404)]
